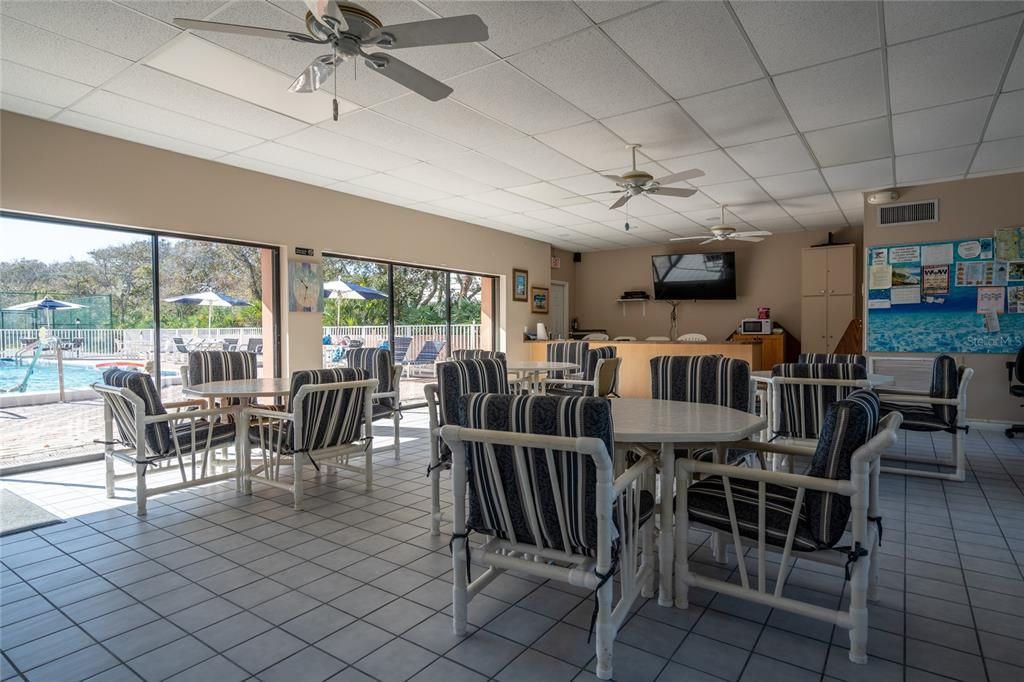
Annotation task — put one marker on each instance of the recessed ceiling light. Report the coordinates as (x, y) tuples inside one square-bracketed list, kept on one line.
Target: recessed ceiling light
[(220, 69)]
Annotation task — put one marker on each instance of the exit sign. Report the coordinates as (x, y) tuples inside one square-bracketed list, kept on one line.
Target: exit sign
[(303, 251)]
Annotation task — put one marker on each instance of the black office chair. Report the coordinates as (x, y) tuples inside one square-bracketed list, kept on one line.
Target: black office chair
[(1015, 370)]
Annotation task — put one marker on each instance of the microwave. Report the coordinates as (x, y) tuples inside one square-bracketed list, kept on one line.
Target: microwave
[(755, 326)]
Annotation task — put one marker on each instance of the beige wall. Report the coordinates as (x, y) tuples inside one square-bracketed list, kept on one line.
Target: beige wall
[(566, 273), (967, 208), (767, 273), (54, 170)]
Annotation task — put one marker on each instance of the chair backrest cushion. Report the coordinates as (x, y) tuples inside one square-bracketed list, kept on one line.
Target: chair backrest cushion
[(332, 417), (709, 379), (378, 364), (456, 378), (476, 354), (802, 406), (849, 424), (221, 365), (1018, 366), (532, 513), (158, 436), (945, 384), (566, 351), (832, 358)]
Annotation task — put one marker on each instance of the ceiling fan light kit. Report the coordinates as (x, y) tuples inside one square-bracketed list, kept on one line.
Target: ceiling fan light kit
[(348, 29)]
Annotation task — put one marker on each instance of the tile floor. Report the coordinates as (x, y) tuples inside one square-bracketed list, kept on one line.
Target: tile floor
[(216, 587)]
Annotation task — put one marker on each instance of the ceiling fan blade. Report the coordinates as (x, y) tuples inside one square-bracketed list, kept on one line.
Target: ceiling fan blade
[(314, 75), (610, 191), (754, 233), (466, 28), (220, 27), (679, 177), (740, 238), (673, 191), (614, 178), (686, 239), (409, 76), (326, 12), (621, 200), (708, 241)]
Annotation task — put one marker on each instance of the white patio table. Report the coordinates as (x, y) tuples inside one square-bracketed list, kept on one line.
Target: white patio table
[(530, 370)]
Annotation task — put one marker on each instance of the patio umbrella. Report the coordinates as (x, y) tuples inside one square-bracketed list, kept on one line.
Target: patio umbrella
[(209, 298), (45, 303), (339, 289)]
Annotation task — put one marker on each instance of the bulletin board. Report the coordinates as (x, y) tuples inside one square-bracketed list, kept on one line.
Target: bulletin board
[(962, 296)]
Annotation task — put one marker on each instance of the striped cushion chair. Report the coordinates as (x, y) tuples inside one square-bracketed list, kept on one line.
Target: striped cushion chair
[(587, 385), (802, 393), (205, 366), (455, 379), (477, 354), (329, 423), (708, 379), (567, 351), (800, 513), (832, 359), (132, 404), (378, 363), (539, 475)]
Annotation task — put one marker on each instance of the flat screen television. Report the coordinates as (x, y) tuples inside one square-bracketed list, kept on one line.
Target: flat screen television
[(694, 276)]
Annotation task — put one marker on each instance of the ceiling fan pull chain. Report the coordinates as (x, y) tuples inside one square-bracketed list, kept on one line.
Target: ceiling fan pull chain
[(335, 84)]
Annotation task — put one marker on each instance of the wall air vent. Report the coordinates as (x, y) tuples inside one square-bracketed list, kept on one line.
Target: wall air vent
[(907, 214)]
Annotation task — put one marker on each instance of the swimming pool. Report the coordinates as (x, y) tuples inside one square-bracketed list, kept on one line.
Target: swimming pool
[(44, 377)]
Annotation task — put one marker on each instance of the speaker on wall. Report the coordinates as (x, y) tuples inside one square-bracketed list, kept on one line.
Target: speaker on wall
[(577, 257)]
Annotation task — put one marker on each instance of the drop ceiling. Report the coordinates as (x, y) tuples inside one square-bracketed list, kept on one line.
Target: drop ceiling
[(791, 108)]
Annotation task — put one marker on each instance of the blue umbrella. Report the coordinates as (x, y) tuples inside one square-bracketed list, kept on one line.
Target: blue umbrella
[(45, 303), (209, 298), (339, 289)]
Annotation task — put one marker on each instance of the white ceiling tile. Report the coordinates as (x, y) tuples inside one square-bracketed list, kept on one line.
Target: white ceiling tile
[(225, 71), (168, 10), (822, 221), (792, 35), (320, 141), (954, 66), (909, 20), (688, 47), (275, 170), (1001, 155), (1015, 78), (535, 158), (855, 215), (400, 188), (31, 46), (603, 10), (1008, 117), (695, 202), (765, 210), (673, 222), (665, 131), (39, 86), (860, 176), (175, 94), (641, 207), (773, 157), (102, 24), (590, 144), (717, 167), (745, 113), (483, 169), (371, 127), (819, 203), (778, 225), (557, 216), (505, 94), (272, 152), (742, 192), (506, 21), (851, 143), (143, 116), (593, 211), (832, 94), (469, 207), (849, 200), (439, 179), (930, 165), (581, 68), (549, 194), (588, 183), (939, 127), (524, 222), (145, 137), (28, 107), (448, 119), (789, 185), (507, 201)]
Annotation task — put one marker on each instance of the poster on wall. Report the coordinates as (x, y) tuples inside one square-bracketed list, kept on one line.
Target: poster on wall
[(935, 279), (905, 254), (1009, 243), (969, 250), (986, 248), (937, 254), (878, 299), (878, 257), (880, 277), (1015, 300), (991, 299), (973, 274), (1015, 271)]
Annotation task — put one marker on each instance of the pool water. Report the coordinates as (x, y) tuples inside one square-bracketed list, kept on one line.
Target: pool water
[(44, 377)]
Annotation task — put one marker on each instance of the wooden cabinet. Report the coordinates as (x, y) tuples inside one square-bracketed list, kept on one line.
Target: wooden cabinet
[(775, 348), (828, 288)]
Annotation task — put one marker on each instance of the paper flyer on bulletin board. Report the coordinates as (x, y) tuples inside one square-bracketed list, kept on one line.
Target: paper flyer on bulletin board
[(958, 296)]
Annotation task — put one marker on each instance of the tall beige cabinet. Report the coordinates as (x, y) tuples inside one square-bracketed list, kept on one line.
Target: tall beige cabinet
[(828, 289)]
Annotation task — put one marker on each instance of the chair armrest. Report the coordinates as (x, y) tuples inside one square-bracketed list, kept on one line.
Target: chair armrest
[(923, 399), (194, 402), (1010, 366), (250, 412), (190, 414), (828, 485), (899, 391), (634, 472), (574, 382)]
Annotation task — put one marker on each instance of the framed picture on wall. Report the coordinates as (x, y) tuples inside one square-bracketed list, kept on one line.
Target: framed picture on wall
[(539, 300), (520, 285), (305, 287)]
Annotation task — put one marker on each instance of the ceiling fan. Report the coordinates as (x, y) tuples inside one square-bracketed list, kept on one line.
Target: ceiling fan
[(637, 182), (723, 232), (348, 28)]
